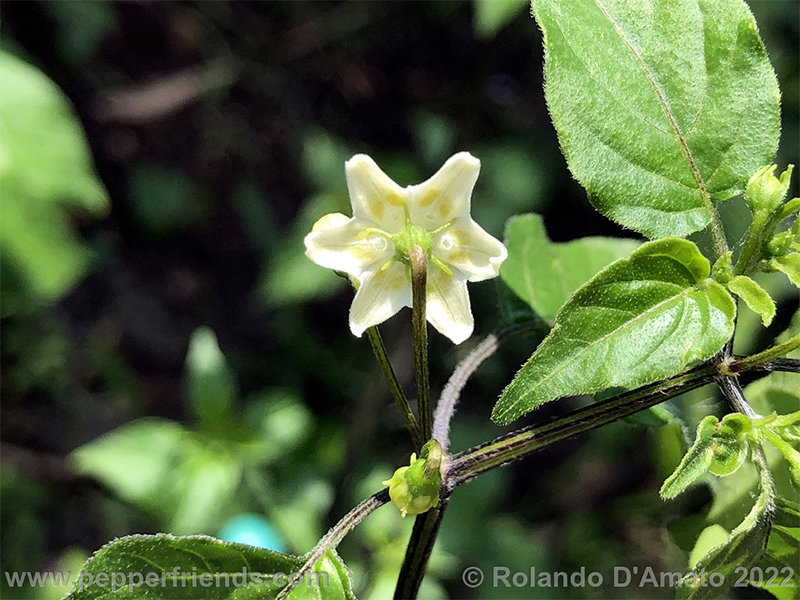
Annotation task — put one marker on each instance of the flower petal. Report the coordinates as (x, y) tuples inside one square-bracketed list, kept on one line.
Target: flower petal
[(448, 308), (381, 295), (344, 244), (467, 247), (446, 195), (373, 194)]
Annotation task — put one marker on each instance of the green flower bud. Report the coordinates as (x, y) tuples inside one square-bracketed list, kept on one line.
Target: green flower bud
[(780, 243), (722, 271), (415, 489), (765, 192)]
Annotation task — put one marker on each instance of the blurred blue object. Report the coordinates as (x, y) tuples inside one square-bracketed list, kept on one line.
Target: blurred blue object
[(253, 530)]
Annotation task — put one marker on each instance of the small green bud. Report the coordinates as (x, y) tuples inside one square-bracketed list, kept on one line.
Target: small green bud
[(780, 243), (722, 271), (734, 426), (728, 456), (765, 192), (415, 489)]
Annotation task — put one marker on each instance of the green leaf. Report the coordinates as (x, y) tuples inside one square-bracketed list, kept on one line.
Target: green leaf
[(197, 567), (639, 320), (210, 384), (492, 15), (45, 166), (545, 274), (745, 544), (756, 297), (710, 537), (695, 462), (662, 107), (166, 470), (788, 264)]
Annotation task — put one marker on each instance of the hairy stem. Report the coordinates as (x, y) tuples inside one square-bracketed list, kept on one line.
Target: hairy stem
[(379, 350), (790, 365), (418, 552), (446, 406), (751, 251), (419, 324), (515, 445), (770, 354), (334, 536)]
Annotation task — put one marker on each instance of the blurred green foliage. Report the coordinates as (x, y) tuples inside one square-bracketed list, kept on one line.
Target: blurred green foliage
[(171, 360), (45, 168)]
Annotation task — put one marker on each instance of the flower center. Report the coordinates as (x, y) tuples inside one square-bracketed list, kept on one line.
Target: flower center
[(411, 236)]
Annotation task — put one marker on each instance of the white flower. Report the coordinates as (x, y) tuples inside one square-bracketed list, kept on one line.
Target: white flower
[(371, 246)]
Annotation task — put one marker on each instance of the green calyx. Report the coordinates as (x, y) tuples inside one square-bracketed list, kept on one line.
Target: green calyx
[(413, 236), (415, 489), (408, 238), (765, 192)]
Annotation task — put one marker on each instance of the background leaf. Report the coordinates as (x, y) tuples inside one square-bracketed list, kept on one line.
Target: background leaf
[(211, 385), (661, 107), (45, 166), (640, 319), (545, 274), (492, 15), (197, 556)]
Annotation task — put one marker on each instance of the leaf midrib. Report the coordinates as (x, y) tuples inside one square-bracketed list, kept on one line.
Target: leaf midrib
[(701, 186), (593, 343)]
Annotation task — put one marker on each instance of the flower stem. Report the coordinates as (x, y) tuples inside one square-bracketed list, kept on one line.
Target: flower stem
[(379, 350), (418, 551), (417, 259)]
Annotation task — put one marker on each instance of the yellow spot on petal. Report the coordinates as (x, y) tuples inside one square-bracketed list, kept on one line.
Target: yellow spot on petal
[(378, 209), (429, 197), (446, 208), (393, 198)]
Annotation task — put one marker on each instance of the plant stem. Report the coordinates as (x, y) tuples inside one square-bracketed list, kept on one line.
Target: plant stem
[(752, 242), (718, 239), (730, 388), (787, 365), (334, 536), (770, 354), (419, 324), (418, 552), (446, 406), (379, 350), (515, 445)]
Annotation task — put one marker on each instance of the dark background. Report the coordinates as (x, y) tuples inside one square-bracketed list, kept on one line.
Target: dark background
[(219, 131)]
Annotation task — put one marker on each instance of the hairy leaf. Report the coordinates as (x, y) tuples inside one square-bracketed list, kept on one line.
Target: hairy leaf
[(545, 274), (662, 107), (695, 462), (756, 298), (745, 544), (198, 567), (641, 319), (788, 264)]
